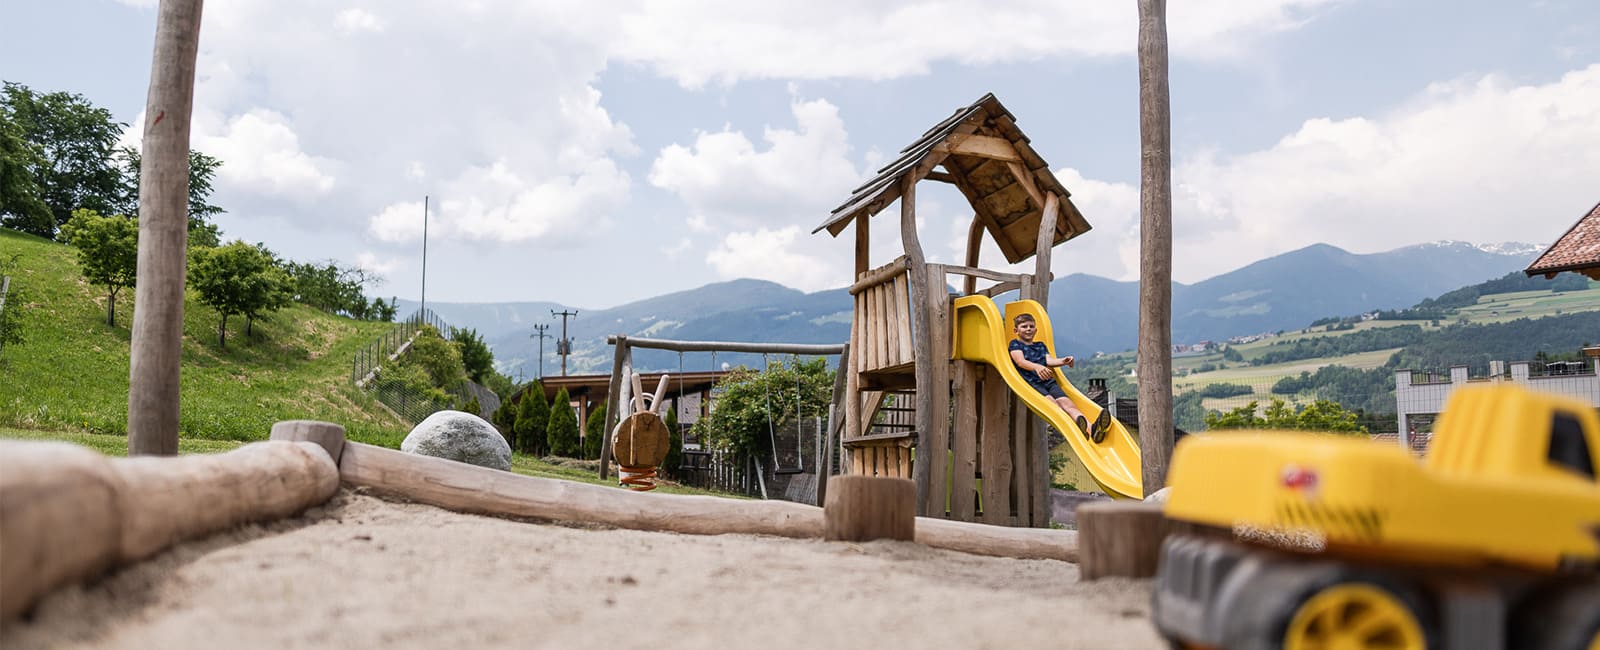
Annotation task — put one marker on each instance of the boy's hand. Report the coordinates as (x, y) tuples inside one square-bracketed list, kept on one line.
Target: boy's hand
[(1043, 372), (1071, 362)]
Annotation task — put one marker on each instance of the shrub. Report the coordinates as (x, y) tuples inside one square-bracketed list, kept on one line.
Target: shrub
[(561, 433), (1220, 390), (594, 432)]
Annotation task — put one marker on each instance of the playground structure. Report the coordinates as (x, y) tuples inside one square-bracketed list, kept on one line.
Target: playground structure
[(912, 343)]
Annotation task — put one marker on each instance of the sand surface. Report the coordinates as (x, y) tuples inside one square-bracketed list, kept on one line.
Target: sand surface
[(363, 572)]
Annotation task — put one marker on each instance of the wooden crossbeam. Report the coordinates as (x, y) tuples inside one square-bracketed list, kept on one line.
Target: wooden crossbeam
[(980, 146)]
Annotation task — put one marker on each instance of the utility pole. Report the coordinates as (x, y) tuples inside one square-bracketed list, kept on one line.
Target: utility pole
[(541, 336), (564, 344), (424, 308)]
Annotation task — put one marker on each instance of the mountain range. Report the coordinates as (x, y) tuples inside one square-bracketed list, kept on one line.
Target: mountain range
[(1089, 313)]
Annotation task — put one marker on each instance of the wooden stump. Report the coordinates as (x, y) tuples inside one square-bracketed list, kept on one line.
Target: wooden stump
[(1120, 538), (862, 508), (328, 435)]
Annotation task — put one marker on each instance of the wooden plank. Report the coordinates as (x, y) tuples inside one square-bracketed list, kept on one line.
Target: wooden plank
[(891, 307), (917, 266), (974, 243), (986, 274), (852, 389), (1046, 243), (871, 401), (1021, 486), (863, 238), (904, 460), (942, 177), (613, 406), (903, 306), (938, 431), (1025, 179), (995, 442), (879, 275), (964, 443), (1039, 472), (980, 146), (880, 341)]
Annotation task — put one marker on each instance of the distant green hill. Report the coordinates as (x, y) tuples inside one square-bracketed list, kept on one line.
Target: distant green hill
[(71, 374)]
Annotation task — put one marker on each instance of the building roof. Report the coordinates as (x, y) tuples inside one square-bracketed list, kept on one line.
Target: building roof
[(1009, 206), (1577, 251)]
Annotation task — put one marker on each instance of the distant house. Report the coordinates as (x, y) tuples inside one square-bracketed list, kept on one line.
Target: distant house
[(1577, 251)]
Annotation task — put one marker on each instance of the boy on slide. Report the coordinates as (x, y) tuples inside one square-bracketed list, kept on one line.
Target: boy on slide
[(1035, 362)]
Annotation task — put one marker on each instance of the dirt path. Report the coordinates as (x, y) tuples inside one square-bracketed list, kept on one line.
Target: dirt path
[(362, 572)]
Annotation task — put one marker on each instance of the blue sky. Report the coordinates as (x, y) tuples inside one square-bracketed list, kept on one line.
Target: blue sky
[(598, 153)]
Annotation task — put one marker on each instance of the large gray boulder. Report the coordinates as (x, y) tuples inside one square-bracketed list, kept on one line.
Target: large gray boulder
[(461, 437)]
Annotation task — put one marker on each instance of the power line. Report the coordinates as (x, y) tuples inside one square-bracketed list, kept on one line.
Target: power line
[(539, 334)]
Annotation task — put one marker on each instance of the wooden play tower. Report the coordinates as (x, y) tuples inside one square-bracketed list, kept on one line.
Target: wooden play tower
[(909, 409)]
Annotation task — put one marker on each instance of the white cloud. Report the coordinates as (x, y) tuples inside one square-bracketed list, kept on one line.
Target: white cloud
[(700, 41), (261, 154), (373, 263), (1479, 160), (358, 20), (775, 255), (726, 181)]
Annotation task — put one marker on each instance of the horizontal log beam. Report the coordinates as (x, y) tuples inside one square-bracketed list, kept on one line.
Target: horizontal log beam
[(68, 513), (880, 275), (986, 274), (730, 346), (942, 177), (469, 488), (980, 146)]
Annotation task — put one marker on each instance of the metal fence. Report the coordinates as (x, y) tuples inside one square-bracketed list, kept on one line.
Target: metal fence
[(389, 346), (408, 402), (718, 470)]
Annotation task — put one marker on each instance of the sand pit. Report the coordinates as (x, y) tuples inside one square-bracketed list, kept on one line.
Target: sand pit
[(362, 572)]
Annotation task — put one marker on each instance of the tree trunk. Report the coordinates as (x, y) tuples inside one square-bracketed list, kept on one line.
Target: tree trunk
[(1155, 246), (222, 333), (111, 308), (163, 233)]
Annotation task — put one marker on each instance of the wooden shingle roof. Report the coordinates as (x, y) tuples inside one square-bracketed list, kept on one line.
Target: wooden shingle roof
[(1578, 250), (993, 175)]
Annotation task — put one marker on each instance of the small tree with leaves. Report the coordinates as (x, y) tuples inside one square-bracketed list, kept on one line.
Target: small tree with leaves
[(475, 354), (108, 252), (594, 432), (562, 431), (532, 420), (235, 279)]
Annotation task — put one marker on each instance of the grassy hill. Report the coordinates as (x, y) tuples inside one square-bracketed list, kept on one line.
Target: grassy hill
[(71, 374)]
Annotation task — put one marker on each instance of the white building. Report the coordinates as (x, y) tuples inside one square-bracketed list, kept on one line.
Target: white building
[(1426, 394)]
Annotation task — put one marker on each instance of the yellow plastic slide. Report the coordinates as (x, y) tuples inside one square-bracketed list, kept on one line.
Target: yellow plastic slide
[(981, 334)]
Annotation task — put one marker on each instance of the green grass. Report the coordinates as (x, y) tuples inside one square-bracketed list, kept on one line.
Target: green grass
[(117, 445), (71, 374)]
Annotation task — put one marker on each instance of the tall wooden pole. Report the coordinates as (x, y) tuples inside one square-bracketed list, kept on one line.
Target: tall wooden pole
[(1155, 246), (163, 233)]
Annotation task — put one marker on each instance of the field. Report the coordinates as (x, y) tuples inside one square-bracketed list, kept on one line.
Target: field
[(71, 373)]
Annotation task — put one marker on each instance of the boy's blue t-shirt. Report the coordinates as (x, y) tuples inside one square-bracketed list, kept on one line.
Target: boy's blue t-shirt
[(1036, 353)]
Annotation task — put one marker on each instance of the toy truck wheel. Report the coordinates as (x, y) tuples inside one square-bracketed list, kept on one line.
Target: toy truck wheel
[(1337, 607), (1563, 617), (1354, 615)]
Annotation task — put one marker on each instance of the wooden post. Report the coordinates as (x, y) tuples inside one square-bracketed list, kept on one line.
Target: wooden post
[(163, 233), (974, 244), (1042, 249), (937, 436), (964, 446), (327, 435), (831, 434), (865, 508), (996, 424), (613, 404), (1155, 247), (920, 296)]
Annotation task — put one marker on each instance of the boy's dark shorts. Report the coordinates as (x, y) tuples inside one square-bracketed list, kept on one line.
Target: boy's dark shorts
[(1052, 389)]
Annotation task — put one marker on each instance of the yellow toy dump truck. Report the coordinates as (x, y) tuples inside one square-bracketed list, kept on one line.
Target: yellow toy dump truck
[(1491, 541)]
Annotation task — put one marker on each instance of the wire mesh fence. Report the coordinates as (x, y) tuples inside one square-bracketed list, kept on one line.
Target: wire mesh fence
[(412, 403)]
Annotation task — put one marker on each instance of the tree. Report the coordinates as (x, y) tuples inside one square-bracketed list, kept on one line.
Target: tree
[(1321, 415), (235, 279), (75, 141), (753, 403), (594, 432), (475, 354), (1155, 246), (533, 419), (674, 442), (202, 169), (108, 252), (472, 406), (562, 431), (438, 356), (21, 207)]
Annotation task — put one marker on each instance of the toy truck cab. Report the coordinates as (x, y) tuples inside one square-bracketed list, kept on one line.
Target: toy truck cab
[(1492, 539)]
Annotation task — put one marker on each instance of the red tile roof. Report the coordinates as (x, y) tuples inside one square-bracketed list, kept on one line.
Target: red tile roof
[(1578, 250)]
